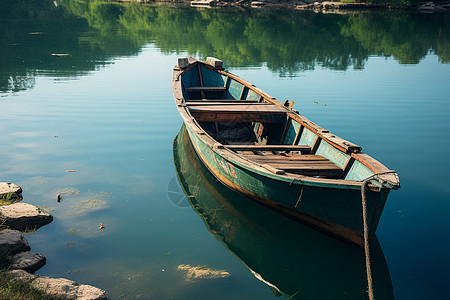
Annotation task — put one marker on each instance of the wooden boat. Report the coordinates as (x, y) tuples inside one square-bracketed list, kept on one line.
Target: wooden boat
[(269, 152), (290, 258)]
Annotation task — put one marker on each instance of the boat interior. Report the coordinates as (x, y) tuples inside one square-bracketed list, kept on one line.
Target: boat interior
[(244, 120)]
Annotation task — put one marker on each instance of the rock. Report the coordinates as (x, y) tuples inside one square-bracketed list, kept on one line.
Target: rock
[(20, 216), (12, 242), (23, 275), (202, 272), (28, 261), (10, 192), (61, 286)]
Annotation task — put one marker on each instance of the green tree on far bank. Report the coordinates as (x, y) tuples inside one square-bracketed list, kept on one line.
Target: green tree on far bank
[(72, 37)]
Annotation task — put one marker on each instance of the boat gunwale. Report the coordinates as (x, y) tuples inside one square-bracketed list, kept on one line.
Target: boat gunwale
[(375, 166)]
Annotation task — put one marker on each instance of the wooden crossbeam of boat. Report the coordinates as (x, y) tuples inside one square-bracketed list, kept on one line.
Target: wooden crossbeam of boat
[(206, 89), (286, 148), (213, 101), (329, 170), (309, 164), (250, 108), (238, 113), (274, 158), (222, 102)]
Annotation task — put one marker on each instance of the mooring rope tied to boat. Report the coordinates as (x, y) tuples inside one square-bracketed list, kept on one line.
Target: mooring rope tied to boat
[(366, 239), (299, 198), (366, 227)]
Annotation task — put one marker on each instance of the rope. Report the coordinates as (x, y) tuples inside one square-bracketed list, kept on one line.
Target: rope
[(366, 239), (299, 198), (374, 176), (366, 227)]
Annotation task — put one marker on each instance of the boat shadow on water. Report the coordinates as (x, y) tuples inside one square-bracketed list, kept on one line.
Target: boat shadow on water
[(292, 259)]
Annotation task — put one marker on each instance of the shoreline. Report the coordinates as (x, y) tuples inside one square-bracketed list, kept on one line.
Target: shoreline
[(16, 259), (311, 5)]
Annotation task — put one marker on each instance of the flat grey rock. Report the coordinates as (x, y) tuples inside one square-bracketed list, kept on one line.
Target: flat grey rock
[(27, 261), (10, 192), (62, 286), (21, 216), (12, 242)]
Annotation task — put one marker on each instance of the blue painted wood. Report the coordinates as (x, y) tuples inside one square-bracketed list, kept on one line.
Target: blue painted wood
[(308, 137), (358, 172), (225, 80), (338, 157), (235, 89), (211, 78), (190, 78), (186, 95), (294, 127), (252, 95)]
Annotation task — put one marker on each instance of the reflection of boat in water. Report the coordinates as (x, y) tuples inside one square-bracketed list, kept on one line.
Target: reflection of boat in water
[(431, 7), (292, 259)]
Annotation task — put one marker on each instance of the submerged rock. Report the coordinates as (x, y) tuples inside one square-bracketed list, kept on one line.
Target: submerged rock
[(12, 242), (20, 216), (84, 207), (201, 272), (10, 193), (28, 261), (61, 286)]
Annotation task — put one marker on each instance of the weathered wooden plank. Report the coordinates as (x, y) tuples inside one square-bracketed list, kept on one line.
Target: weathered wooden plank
[(206, 89), (313, 172), (276, 157), (244, 117), (238, 113), (310, 165), (225, 103), (301, 148), (250, 108), (215, 63), (294, 162), (213, 101), (272, 169)]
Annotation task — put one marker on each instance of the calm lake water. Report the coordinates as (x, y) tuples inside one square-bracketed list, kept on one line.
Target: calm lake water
[(86, 86)]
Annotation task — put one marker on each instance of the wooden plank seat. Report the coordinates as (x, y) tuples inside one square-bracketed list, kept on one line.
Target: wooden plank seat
[(267, 113), (309, 164), (253, 107), (206, 89), (232, 102), (300, 148), (224, 101)]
